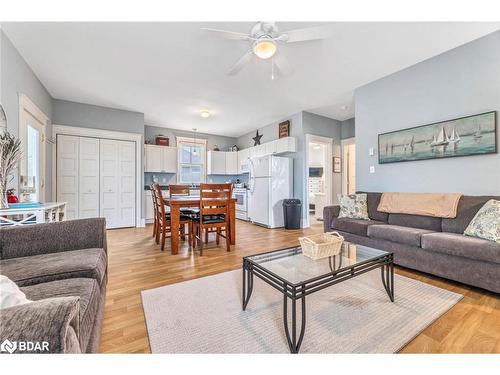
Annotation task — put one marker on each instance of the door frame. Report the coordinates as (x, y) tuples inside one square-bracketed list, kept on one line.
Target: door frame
[(107, 134), (345, 142), (328, 142), (27, 105)]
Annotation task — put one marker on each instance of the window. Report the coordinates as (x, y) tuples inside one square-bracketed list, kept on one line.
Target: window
[(32, 167), (191, 159)]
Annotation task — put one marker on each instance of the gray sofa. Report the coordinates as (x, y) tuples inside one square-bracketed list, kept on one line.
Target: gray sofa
[(62, 267), (428, 244)]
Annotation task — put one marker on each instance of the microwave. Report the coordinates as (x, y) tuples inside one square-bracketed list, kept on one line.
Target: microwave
[(245, 166)]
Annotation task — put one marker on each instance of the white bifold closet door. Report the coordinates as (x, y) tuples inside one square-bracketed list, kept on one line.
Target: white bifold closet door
[(67, 173), (117, 169), (96, 177), (88, 205)]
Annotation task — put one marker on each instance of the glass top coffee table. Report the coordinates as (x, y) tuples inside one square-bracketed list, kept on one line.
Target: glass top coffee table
[(297, 276)]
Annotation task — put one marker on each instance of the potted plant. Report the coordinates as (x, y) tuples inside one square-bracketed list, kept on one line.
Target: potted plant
[(10, 154)]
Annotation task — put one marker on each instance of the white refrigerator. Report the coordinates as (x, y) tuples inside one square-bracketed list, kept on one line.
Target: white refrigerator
[(270, 181)]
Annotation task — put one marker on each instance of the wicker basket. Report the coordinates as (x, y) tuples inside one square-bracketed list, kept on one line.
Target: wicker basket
[(321, 245)]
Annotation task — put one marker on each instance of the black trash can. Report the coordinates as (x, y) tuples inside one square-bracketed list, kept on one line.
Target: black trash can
[(292, 212)]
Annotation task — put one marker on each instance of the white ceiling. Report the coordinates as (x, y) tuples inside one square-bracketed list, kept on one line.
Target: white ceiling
[(171, 71)]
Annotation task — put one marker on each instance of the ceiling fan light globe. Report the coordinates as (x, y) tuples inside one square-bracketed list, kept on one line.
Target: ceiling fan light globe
[(264, 49)]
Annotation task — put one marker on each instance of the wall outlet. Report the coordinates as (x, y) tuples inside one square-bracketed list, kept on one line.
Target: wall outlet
[(372, 169)]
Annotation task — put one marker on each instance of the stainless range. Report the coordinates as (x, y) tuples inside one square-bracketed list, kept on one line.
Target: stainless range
[(240, 194)]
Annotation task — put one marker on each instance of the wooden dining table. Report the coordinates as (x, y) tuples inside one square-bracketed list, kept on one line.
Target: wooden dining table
[(193, 201)]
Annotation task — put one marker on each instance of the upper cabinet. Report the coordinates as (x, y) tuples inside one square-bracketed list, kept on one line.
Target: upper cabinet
[(231, 163), (234, 163), (216, 162), (160, 159)]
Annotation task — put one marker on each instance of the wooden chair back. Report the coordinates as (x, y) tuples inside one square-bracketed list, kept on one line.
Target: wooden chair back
[(214, 199), (178, 190), (160, 203)]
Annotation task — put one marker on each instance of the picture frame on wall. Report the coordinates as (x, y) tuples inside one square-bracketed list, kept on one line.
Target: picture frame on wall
[(463, 136), (284, 129), (337, 165)]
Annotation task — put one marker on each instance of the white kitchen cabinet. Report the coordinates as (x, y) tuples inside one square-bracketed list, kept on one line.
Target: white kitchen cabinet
[(149, 214), (231, 163), (216, 162), (258, 151), (270, 147), (243, 156), (161, 159), (286, 144)]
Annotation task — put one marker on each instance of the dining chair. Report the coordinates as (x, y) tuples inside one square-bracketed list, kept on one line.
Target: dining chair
[(155, 208), (214, 214), (183, 190), (164, 220)]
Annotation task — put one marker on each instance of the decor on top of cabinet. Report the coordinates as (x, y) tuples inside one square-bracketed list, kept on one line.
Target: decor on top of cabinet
[(284, 129), (464, 136), (216, 148), (256, 139), (161, 140), (234, 148)]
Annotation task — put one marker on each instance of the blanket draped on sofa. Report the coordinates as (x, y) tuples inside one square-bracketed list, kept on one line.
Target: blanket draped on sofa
[(426, 204)]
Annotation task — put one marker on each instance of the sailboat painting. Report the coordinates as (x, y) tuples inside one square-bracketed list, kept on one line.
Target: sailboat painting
[(464, 136)]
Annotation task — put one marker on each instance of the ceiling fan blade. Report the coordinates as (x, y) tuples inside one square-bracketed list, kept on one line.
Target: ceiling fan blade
[(310, 33), (282, 64), (227, 34), (245, 59)]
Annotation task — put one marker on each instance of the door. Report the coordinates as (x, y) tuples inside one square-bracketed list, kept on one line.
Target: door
[(231, 163), (109, 180), (169, 158), (126, 187), (258, 201), (260, 167), (67, 169), (34, 151), (153, 158), (351, 169), (89, 178)]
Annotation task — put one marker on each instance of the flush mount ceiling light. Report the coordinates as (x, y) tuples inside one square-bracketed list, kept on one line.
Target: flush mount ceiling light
[(205, 114), (264, 48)]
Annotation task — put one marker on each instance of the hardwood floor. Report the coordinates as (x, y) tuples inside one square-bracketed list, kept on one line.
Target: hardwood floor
[(136, 263)]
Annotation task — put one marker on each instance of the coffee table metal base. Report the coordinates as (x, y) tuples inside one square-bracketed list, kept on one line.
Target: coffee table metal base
[(298, 292)]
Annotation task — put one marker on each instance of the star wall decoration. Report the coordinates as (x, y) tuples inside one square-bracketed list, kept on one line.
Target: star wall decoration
[(257, 138)]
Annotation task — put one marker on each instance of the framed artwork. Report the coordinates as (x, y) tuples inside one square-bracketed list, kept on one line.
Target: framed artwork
[(337, 165), (284, 129), (464, 136)]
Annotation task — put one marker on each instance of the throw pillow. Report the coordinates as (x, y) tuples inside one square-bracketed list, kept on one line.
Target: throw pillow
[(486, 223), (10, 294), (353, 206)]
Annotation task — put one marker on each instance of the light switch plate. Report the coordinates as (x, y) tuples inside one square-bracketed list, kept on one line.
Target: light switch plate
[(372, 169), (371, 151)]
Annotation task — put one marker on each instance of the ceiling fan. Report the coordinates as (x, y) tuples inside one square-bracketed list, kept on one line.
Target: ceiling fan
[(264, 39)]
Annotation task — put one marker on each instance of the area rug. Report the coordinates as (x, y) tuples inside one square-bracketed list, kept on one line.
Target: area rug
[(356, 316)]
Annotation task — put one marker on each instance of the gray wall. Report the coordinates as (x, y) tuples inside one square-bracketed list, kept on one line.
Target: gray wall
[(91, 116), (18, 78), (348, 129), (463, 81)]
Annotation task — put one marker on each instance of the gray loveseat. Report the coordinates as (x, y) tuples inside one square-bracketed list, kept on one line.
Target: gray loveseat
[(428, 244), (63, 268)]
